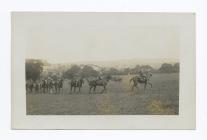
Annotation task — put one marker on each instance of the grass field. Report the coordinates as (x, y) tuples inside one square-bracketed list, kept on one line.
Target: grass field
[(161, 99)]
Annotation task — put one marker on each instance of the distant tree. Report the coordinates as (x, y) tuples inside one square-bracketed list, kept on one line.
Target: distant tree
[(94, 73), (136, 69), (89, 71), (33, 69), (147, 67), (52, 75), (176, 67), (126, 71), (45, 63), (112, 71), (166, 68), (70, 73)]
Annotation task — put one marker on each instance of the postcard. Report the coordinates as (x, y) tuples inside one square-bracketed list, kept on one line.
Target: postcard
[(103, 70)]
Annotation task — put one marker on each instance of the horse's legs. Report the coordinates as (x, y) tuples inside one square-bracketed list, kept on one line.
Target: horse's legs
[(137, 86), (104, 88), (150, 84), (90, 89), (133, 87), (43, 89), (145, 85), (40, 89), (77, 86), (71, 88), (31, 89)]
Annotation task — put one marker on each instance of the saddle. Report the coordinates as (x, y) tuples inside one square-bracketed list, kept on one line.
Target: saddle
[(142, 78)]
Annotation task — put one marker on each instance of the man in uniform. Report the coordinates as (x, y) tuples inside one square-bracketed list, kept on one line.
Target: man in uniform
[(141, 75)]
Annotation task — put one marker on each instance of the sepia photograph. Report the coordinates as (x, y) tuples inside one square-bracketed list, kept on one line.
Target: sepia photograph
[(100, 63), (76, 68)]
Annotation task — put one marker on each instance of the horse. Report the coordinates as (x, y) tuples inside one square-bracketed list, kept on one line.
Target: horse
[(50, 86), (36, 86), (76, 83), (55, 84), (141, 80), (44, 85), (98, 82), (60, 85), (29, 86)]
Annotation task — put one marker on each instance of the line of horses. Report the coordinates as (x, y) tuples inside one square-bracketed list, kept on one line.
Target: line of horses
[(93, 84), (45, 86), (55, 86)]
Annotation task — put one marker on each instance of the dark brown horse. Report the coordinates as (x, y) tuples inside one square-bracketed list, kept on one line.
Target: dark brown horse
[(141, 80), (60, 85), (98, 82), (29, 85), (76, 83)]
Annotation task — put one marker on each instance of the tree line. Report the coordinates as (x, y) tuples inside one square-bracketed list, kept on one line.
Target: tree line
[(34, 69), (89, 71)]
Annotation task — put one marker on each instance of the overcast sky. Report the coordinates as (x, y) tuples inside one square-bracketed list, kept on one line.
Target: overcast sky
[(61, 38)]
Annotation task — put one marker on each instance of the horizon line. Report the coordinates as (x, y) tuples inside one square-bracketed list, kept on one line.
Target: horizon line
[(176, 60)]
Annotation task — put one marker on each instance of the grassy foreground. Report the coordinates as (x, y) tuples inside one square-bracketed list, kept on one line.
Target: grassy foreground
[(162, 99)]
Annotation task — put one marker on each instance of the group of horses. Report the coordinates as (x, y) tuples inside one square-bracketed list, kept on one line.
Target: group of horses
[(44, 86), (51, 85), (102, 82), (93, 83)]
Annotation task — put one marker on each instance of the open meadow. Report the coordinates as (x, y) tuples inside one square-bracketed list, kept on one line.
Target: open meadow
[(161, 99)]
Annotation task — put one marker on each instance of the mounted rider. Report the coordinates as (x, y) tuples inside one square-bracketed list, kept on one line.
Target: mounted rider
[(141, 75), (98, 78)]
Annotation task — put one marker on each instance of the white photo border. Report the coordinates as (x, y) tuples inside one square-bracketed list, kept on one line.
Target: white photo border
[(187, 88)]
